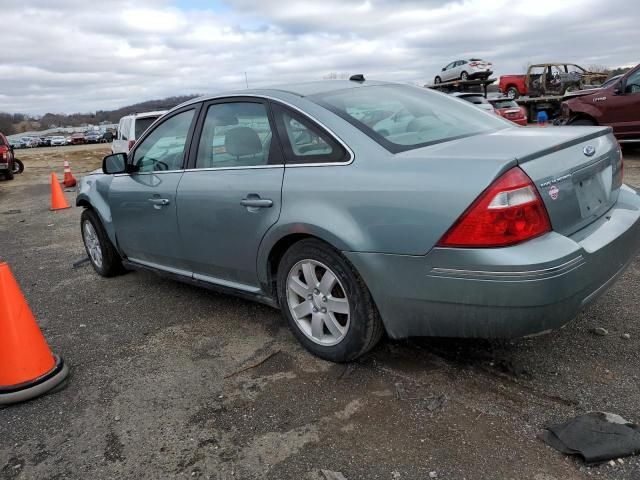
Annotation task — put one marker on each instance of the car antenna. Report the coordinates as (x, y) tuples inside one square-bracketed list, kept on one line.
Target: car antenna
[(358, 77)]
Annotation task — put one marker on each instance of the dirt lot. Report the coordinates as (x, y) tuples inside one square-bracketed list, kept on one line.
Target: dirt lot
[(153, 393)]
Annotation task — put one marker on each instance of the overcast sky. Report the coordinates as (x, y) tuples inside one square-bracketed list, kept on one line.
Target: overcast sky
[(70, 56)]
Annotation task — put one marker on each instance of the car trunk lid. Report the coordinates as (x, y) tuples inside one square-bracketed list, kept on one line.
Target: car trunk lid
[(576, 188)]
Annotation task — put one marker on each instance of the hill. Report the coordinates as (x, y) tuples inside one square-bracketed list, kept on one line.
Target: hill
[(17, 123)]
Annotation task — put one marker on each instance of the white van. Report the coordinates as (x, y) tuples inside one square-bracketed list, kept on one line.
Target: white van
[(131, 127)]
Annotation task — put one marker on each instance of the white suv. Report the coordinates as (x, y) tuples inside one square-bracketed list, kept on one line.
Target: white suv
[(465, 70), (131, 127)]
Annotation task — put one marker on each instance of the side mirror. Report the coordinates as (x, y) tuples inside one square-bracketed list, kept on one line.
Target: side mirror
[(444, 68), (115, 163)]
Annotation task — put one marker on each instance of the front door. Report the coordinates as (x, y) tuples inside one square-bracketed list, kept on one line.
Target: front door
[(232, 194), (143, 203), (622, 110)]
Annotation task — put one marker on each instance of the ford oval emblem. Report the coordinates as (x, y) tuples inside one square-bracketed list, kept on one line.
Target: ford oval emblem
[(589, 150)]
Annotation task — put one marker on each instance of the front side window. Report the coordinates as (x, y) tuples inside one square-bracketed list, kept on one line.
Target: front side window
[(432, 117), (236, 134), (163, 149), (304, 141), (633, 83)]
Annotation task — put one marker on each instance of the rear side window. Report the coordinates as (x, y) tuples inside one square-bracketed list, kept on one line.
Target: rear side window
[(304, 141), (504, 104), (142, 124)]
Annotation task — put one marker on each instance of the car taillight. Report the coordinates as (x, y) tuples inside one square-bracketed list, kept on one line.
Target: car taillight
[(4, 150), (510, 211), (131, 144), (473, 64), (620, 178)]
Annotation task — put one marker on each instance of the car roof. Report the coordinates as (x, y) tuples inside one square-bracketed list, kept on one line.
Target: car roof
[(304, 89)]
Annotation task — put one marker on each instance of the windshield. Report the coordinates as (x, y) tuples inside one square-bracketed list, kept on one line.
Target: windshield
[(401, 117)]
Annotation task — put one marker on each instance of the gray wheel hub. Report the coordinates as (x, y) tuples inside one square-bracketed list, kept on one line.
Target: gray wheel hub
[(92, 243), (318, 302)]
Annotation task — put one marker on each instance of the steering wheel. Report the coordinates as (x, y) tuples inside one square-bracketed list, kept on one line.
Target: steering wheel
[(160, 166)]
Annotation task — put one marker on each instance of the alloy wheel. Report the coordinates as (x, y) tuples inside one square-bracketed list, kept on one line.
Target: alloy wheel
[(318, 302), (92, 243)]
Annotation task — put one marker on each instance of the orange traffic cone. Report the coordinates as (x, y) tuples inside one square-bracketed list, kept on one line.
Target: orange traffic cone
[(58, 202), (69, 180), (27, 366)]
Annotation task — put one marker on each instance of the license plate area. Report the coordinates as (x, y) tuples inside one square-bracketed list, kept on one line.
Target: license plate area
[(592, 185)]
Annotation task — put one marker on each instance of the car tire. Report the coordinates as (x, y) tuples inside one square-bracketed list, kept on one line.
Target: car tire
[(18, 166), (512, 93), (103, 256), (583, 122), (329, 333), (464, 76), (437, 80)]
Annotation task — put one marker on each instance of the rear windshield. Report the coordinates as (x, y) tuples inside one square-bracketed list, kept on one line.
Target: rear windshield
[(475, 99), (142, 124), (402, 117), (504, 104)]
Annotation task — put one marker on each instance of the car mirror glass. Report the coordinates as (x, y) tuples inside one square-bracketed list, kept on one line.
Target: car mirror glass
[(116, 163)]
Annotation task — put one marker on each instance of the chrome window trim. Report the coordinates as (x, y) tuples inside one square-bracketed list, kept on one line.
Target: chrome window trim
[(300, 111), (159, 172)]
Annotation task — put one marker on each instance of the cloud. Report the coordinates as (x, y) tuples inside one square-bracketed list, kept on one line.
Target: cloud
[(71, 55)]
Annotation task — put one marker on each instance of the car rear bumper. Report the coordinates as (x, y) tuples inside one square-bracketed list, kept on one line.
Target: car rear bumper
[(480, 74), (504, 292)]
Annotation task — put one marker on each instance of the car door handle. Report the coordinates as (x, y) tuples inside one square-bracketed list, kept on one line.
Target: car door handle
[(159, 201), (256, 202)]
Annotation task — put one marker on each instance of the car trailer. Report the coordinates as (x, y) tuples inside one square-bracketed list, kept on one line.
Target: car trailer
[(475, 86)]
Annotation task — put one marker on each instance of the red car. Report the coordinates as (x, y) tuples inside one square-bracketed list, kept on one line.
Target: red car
[(7, 160), (78, 139), (510, 110)]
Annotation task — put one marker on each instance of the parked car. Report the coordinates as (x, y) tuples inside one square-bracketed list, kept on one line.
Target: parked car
[(44, 142), (549, 79), (473, 68), (616, 105), (28, 142), (476, 99), (58, 140), (462, 225), (393, 124), (131, 127), (77, 138), (7, 159), (509, 109), (16, 143), (92, 137)]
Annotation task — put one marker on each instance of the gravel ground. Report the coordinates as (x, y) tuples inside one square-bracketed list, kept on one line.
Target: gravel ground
[(157, 388)]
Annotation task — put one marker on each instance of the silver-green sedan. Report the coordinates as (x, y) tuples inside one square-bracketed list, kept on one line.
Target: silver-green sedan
[(450, 221)]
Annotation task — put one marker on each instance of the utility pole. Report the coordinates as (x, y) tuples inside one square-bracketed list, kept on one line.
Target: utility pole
[(246, 79)]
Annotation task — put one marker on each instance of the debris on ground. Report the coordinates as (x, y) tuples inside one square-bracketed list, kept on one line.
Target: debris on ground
[(625, 336), (254, 365), (79, 263), (329, 475), (603, 332), (401, 392), (596, 436)]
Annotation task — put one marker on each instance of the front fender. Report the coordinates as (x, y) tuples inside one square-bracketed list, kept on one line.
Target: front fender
[(94, 191), (583, 108)]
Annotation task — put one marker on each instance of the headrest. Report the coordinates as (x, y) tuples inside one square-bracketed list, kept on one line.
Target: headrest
[(242, 141)]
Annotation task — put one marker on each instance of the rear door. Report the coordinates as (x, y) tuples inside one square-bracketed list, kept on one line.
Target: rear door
[(231, 194), (143, 204)]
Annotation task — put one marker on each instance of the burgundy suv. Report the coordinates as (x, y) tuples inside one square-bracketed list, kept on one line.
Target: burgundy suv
[(616, 105), (6, 158)]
